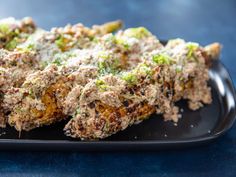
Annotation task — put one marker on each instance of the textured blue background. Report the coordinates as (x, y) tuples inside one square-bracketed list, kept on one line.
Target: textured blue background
[(204, 21)]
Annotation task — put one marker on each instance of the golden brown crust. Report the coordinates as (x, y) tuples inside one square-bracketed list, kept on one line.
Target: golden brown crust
[(53, 112), (108, 120)]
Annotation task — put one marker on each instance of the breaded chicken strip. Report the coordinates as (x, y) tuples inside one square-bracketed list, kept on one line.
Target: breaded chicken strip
[(73, 71), (40, 101), (40, 49), (113, 103)]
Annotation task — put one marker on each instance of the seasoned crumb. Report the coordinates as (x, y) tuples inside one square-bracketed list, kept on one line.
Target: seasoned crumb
[(105, 81)]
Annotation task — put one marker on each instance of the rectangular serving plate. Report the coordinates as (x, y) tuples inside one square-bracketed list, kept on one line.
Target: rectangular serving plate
[(194, 128)]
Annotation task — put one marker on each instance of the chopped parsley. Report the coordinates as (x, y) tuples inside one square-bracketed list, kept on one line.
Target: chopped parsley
[(102, 67), (60, 42), (12, 44), (28, 48), (4, 29), (99, 82), (117, 40), (161, 59), (138, 33), (104, 55), (57, 62), (31, 47), (122, 42), (109, 66), (130, 78), (101, 85), (191, 48), (63, 43)]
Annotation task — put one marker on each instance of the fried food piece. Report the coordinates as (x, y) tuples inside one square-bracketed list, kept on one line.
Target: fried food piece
[(37, 103), (41, 98), (109, 105), (84, 66), (44, 112), (27, 58), (106, 82)]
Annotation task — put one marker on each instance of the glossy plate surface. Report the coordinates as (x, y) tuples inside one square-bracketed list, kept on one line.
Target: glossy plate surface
[(194, 128)]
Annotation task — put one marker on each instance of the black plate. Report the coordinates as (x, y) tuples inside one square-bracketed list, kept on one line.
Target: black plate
[(195, 127)]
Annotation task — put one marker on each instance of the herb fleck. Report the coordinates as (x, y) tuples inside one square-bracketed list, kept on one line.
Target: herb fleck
[(130, 78), (161, 59), (138, 33)]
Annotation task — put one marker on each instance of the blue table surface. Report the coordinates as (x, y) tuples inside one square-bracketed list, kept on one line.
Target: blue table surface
[(204, 21)]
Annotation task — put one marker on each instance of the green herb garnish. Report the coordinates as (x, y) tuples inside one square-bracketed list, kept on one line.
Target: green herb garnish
[(122, 42), (191, 48), (102, 67), (57, 62), (28, 48), (104, 55), (109, 66), (130, 78), (5, 29), (62, 43), (101, 85), (138, 33), (12, 44), (161, 59)]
